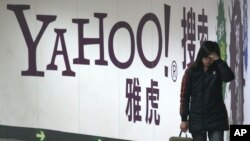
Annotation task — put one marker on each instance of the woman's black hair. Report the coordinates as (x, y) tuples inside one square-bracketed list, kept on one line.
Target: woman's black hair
[(205, 50)]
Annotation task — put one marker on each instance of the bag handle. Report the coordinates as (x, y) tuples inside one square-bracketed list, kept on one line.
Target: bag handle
[(181, 133)]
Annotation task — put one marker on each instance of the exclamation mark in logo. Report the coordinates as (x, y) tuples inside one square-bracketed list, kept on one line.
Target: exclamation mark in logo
[(167, 21)]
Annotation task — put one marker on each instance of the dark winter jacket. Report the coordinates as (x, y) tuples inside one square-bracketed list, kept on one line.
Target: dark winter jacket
[(202, 102)]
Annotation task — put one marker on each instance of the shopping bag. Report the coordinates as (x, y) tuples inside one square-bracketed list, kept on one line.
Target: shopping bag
[(175, 138)]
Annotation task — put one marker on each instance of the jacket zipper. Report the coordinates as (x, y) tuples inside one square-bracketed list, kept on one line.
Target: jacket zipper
[(203, 102)]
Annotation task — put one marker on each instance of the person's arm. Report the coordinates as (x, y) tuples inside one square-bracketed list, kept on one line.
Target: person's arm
[(185, 100), (226, 73), (185, 95)]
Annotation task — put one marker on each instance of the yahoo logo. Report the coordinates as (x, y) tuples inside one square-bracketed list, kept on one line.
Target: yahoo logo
[(135, 41)]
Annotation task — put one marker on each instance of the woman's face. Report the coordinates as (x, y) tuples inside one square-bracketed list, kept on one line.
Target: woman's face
[(207, 61)]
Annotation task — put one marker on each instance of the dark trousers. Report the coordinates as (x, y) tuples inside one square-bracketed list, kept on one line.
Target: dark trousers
[(212, 136)]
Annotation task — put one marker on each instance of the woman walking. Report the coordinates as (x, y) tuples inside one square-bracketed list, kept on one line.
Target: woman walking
[(202, 108)]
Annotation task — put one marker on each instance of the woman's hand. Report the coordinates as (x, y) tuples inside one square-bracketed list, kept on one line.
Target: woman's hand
[(184, 126), (214, 56)]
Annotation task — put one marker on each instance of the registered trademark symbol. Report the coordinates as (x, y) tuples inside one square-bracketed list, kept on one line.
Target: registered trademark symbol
[(174, 71)]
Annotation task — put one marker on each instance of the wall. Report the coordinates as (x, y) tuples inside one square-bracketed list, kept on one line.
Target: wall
[(137, 55)]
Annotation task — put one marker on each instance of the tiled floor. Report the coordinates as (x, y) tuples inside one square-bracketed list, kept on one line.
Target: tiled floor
[(8, 140)]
